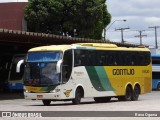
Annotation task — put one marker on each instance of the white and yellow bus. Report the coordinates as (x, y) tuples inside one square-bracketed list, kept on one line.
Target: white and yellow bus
[(99, 71)]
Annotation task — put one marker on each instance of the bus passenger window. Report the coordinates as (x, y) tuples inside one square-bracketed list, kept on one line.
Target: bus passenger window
[(147, 59), (128, 60), (141, 59), (92, 56), (83, 61), (112, 60), (119, 59), (77, 60)]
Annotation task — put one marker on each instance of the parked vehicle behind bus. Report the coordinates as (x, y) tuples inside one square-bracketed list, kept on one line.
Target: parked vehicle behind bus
[(100, 71), (15, 81), (5, 61), (156, 72)]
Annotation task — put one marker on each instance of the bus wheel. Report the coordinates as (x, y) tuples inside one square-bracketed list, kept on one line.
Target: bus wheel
[(46, 102), (102, 99), (136, 93), (127, 96), (78, 97), (158, 87)]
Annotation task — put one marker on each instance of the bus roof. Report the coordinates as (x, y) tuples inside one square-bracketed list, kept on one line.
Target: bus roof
[(96, 46), (50, 48)]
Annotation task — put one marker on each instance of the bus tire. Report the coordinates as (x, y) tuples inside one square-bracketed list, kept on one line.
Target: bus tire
[(136, 93), (46, 102), (158, 87), (78, 96), (127, 96), (102, 99)]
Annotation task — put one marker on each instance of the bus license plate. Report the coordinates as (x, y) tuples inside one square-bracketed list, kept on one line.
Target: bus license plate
[(39, 96)]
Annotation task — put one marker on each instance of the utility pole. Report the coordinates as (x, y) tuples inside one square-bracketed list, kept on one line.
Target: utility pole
[(155, 28), (140, 36), (122, 29)]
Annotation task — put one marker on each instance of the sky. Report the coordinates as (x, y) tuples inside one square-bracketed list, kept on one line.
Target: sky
[(140, 15)]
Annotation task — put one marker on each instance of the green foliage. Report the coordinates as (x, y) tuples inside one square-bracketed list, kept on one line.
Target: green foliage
[(88, 18)]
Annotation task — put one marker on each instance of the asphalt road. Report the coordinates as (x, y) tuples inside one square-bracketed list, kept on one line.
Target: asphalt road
[(146, 107)]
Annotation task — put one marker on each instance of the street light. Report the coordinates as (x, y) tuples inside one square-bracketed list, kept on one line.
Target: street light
[(114, 22), (105, 29)]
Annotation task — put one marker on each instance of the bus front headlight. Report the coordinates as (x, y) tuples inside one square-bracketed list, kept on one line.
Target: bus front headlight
[(26, 91), (55, 90)]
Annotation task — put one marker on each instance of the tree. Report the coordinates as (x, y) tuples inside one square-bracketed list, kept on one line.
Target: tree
[(62, 17)]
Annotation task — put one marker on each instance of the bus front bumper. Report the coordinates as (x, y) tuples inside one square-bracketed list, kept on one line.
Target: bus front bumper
[(42, 96)]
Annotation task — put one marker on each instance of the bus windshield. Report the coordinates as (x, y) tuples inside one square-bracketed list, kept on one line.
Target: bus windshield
[(41, 69), (43, 56)]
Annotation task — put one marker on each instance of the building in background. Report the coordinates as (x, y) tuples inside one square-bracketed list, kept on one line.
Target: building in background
[(12, 15)]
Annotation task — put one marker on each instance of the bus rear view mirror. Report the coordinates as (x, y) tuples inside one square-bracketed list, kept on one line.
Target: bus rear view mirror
[(19, 66), (58, 67)]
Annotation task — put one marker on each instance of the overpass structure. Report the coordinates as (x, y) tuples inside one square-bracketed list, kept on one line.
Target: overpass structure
[(21, 38)]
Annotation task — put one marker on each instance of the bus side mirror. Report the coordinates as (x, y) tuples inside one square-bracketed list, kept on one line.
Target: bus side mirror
[(19, 66), (58, 67)]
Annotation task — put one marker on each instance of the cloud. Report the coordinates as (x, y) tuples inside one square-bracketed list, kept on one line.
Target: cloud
[(140, 14), (134, 7)]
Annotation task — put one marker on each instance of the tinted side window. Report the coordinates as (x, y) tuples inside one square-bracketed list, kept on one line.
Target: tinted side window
[(155, 60), (110, 58), (144, 58), (156, 75), (67, 65), (82, 58)]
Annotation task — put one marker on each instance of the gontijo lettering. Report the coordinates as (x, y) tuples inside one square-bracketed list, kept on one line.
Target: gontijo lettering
[(123, 72)]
